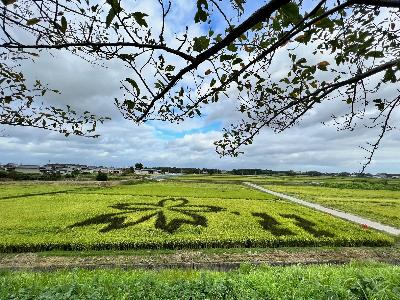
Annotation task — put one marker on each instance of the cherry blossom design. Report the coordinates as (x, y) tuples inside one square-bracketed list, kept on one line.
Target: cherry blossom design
[(170, 214)]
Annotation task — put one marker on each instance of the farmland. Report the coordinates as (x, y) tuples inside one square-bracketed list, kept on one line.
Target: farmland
[(382, 205), (203, 220), (302, 180), (164, 215), (373, 198)]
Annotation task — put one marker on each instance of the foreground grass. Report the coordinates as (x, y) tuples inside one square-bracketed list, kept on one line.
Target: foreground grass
[(353, 281)]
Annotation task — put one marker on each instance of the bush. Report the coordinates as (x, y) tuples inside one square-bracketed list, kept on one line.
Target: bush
[(102, 176)]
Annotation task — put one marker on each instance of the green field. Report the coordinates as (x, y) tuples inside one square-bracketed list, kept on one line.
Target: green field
[(302, 180), (374, 198), (379, 205), (354, 281), (164, 215)]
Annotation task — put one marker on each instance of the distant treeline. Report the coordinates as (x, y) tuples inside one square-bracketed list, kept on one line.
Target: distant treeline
[(287, 173), (250, 172), (12, 175), (188, 170)]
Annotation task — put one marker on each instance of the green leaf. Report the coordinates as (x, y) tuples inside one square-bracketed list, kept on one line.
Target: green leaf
[(134, 85), (94, 7), (225, 57), (201, 14), (110, 17), (213, 82), (375, 54), (389, 76), (325, 23), (290, 13), (126, 56), (129, 104), (232, 48), (169, 68), (32, 22), (64, 24), (201, 43), (115, 9), (7, 99), (159, 84), (115, 5), (257, 27), (379, 104), (237, 60), (239, 4), (139, 18)]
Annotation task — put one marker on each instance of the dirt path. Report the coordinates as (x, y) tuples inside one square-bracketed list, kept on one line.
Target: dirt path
[(198, 259), (336, 213)]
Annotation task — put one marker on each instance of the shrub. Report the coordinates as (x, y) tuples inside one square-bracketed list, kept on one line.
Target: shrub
[(102, 176)]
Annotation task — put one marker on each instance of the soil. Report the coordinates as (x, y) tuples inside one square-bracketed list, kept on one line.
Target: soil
[(199, 259)]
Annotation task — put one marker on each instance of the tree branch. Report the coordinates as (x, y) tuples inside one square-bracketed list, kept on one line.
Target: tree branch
[(380, 3), (260, 15), (100, 45), (326, 90)]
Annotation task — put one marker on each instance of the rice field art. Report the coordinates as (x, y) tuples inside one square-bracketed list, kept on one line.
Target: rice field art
[(170, 215)]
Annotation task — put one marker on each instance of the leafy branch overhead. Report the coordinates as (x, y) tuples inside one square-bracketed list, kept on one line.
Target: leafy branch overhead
[(225, 52)]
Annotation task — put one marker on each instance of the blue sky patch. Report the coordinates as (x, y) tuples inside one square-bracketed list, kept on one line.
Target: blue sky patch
[(167, 134)]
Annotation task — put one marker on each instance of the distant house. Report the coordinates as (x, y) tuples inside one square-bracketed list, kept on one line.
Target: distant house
[(63, 169), (28, 169), (66, 170), (115, 171), (9, 167), (147, 171), (89, 169), (108, 170), (381, 175)]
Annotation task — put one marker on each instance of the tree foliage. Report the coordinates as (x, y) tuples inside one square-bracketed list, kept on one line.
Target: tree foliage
[(19, 107), (139, 166), (178, 72)]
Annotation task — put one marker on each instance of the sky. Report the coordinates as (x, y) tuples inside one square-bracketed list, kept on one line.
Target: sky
[(307, 146)]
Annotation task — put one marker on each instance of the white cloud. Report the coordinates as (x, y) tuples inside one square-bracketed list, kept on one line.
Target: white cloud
[(310, 145)]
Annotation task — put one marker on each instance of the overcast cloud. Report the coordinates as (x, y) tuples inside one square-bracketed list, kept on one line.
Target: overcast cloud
[(308, 146)]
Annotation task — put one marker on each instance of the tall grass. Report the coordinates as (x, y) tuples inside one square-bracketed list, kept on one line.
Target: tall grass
[(367, 281)]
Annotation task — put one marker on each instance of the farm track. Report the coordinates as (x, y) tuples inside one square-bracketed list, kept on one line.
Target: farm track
[(186, 259), (334, 212)]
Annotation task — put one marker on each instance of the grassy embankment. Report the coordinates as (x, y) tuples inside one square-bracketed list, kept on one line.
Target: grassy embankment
[(354, 281)]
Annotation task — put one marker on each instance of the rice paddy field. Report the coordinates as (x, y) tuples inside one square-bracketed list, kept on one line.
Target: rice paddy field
[(373, 198), (196, 214), (379, 205), (171, 215)]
